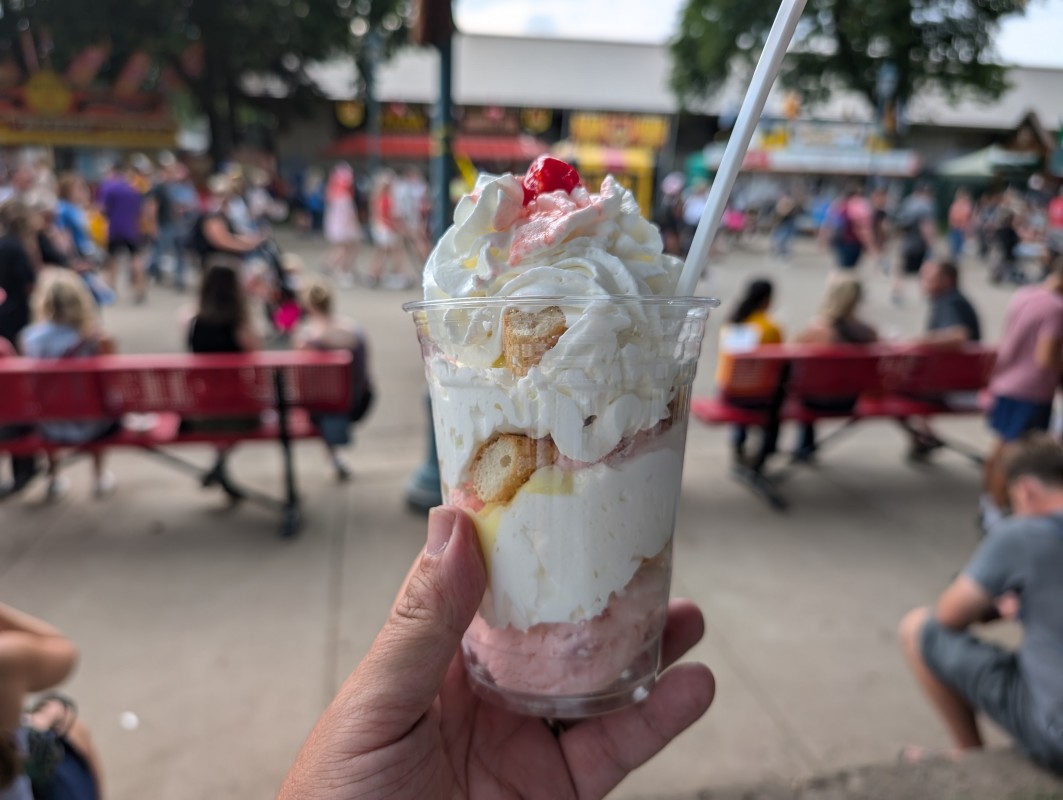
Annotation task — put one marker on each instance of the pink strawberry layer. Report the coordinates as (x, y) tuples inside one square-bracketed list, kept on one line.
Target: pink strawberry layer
[(578, 658)]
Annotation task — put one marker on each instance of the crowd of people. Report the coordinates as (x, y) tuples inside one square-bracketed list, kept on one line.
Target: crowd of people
[(389, 210), (65, 248)]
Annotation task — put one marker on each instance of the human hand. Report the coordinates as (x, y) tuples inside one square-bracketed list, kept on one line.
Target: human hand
[(1009, 606), (406, 724)]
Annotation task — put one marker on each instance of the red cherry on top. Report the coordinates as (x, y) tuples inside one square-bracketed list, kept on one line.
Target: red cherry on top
[(548, 174)]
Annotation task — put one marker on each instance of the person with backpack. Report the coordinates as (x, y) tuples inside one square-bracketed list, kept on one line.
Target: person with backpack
[(324, 330), (849, 224)]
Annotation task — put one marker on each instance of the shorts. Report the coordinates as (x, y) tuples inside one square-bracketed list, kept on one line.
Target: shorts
[(335, 429), (848, 254), (990, 679), (913, 262), (117, 245), (1012, 418)]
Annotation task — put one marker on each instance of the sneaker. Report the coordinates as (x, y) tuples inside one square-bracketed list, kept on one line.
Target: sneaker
[(345, 280), (57, 487), (343, 470), (104, 485)]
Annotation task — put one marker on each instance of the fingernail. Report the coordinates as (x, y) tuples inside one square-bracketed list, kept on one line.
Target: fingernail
[(440, 528)]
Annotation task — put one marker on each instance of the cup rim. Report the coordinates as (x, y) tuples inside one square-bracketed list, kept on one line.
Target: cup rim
[(562, 300)]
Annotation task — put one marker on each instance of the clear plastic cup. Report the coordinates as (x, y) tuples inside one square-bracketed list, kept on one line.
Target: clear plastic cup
[(560, 425)]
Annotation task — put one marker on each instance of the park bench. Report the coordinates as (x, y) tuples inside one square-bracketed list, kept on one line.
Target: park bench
[(774, 384), (280, 389)]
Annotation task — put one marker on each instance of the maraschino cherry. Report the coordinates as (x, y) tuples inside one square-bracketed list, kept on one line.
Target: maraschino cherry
[(548, 174)]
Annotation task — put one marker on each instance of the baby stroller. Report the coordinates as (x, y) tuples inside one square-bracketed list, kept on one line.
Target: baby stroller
[(280, 298)]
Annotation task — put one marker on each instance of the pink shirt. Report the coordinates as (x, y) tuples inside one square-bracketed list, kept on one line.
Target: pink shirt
[(1033, 313)]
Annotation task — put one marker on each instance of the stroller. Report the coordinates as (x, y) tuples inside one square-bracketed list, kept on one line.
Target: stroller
[(280, 300)]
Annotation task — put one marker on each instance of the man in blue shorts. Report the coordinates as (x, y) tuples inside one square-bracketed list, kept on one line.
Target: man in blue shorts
[(1016, 573), (1027, 372)]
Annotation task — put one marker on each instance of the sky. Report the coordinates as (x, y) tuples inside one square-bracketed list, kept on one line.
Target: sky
[(1029, 41)]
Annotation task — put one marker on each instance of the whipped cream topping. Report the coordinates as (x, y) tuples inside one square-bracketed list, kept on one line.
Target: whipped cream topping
[(560, 244)]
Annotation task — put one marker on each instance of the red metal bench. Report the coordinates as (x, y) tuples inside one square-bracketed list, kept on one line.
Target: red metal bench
[(168, 387), (808, 383)]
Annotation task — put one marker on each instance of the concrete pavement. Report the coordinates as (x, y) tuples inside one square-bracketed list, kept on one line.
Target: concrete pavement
[(226, 642)]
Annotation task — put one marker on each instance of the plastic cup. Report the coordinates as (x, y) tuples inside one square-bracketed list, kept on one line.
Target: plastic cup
[(560, 425)]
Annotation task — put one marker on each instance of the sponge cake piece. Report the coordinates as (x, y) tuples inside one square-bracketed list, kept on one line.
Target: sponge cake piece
[(505, 463), (527, 335)]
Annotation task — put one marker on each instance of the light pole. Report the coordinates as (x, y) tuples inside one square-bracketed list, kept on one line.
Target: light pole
[(434, 25)]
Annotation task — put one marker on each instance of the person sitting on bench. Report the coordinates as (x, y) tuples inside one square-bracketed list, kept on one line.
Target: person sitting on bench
[(66, 326), (221, 324), (749, 327), (835, 323)]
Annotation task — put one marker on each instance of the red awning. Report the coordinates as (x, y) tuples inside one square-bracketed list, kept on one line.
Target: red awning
[(418, 147)]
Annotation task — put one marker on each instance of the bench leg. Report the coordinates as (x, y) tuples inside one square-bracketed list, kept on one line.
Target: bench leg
[(969, 453), (292, 518), (761, 485)]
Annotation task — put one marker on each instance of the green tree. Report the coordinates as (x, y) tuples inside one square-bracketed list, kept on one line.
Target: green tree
[(941, 44), (214, 45)]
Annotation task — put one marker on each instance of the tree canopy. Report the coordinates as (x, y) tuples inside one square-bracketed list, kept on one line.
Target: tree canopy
[(211, 45), (941, 44)]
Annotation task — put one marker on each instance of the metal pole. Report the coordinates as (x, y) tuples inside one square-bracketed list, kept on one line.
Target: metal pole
[(373, 103), (443, 142), (424, 491)]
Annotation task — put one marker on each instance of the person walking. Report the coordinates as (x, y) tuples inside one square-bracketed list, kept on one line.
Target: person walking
[(343, 231), (168, 214), (960, 214), (915, 221), (848, 229), (1027, 372), (386, 267), (123, 206)]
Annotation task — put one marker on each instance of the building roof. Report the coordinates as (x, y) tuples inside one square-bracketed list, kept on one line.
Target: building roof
[(619, 76)]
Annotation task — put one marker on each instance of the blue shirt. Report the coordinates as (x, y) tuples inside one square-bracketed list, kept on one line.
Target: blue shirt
[(71, 218)]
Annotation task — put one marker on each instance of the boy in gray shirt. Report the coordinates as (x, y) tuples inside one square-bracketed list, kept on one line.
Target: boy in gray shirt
[(1016, 573)]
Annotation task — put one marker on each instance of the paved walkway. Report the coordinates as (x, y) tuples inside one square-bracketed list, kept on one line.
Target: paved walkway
[(226, 642)]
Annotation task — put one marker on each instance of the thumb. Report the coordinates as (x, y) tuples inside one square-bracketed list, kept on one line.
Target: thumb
[(404, 669)]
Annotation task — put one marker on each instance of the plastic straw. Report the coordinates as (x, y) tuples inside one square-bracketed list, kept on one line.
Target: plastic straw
[(782, 31)]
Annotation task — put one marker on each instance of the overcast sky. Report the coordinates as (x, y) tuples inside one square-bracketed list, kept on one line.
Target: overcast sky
[(1033, 40)]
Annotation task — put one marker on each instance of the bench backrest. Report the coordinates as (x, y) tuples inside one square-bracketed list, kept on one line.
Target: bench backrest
[(935, 372), (843, 371), (834, 373), (105, 387)]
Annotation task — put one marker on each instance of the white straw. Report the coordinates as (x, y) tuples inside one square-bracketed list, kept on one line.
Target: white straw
[(782, 31)]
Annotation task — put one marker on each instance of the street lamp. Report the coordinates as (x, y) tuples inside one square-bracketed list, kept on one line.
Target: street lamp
[(433, 25)]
